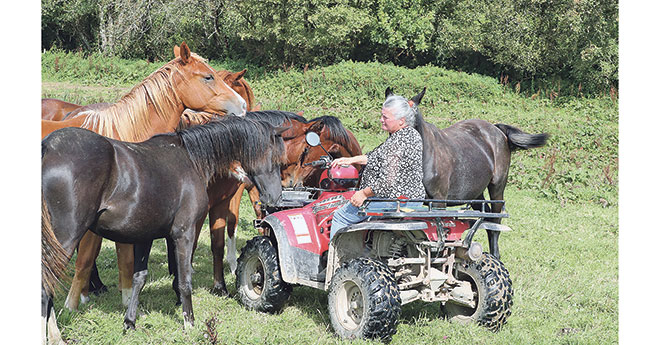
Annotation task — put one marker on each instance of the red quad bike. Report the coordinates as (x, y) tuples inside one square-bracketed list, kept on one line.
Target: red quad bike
[(370, 269)]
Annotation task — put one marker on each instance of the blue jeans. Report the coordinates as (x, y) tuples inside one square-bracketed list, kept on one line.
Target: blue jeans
[(347, 214)]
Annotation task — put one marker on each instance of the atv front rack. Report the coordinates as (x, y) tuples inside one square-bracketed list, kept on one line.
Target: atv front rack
[(433, 208)]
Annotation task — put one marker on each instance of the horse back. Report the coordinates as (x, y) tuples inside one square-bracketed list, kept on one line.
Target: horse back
[(155, 187), (461, 160)]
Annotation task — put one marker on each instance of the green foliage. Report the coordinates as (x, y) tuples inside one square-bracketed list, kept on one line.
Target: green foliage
[(536, 43)]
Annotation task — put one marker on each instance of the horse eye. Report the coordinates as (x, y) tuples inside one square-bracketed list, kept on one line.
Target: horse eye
[(209, 77)]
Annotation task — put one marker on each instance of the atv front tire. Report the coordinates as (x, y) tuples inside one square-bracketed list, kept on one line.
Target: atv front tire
[(258, 278), (492, 289), (364, 300)]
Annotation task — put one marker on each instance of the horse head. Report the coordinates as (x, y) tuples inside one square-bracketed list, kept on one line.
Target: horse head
[(198, 88), (335, 138), (237, 83), (266, 176)]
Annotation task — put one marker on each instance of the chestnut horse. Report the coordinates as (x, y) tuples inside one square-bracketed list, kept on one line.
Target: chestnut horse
[(225, 195), (137, 192), (153, 106), (463, 160), (58, 110)]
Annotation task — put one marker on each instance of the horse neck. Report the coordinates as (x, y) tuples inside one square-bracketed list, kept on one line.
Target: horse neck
[(150, 108)]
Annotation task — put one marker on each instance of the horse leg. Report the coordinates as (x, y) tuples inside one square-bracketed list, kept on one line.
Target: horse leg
[(183, 249), (232, 225), (496, 192), (254, 197), (172, 269), (96, 286), (125, 258), (88, 250), (253, 193), (171, 259), (141, 253), (217, 223)]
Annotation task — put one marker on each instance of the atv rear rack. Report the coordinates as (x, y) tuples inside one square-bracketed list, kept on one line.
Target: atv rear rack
[(434, 208)]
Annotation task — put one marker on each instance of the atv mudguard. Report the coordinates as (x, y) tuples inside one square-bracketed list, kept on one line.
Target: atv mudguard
[(298, 266)]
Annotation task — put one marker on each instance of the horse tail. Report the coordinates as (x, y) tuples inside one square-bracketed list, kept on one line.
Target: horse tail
[(518, 139), (54, 259)]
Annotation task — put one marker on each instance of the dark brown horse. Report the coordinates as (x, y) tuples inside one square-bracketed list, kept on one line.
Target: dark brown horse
[(463, 160), (151, 107), (137, 192)]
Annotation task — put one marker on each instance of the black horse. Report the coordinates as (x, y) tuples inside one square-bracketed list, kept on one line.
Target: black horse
[(463, 160), (137, 192)]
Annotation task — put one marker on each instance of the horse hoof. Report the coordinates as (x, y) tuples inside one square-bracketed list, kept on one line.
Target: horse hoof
[(129, 325), (220, 291), (98, 291)]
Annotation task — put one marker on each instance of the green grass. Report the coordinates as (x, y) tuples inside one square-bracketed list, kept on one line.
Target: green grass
[(562, 259), (563, 199)]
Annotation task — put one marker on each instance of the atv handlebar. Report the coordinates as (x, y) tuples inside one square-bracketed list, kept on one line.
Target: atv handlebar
[(322, 162)]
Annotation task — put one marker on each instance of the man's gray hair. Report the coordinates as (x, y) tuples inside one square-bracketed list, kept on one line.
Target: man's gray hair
[(401, 109)]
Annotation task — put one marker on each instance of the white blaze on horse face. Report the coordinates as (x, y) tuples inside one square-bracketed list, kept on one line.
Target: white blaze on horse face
[(231, 253)]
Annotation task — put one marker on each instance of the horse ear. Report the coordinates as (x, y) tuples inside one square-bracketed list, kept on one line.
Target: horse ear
[(185, 53), (418, 97), (239, 75), (177, 51), (281, 129), (317, 126), (388, 92)]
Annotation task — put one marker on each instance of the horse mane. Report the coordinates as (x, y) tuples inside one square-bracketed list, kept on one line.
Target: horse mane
[(420, 123), (213, 146), (129, 116), (336, 132), (275, 117)]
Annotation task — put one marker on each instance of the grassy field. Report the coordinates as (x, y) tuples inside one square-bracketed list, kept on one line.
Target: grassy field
[(563, 200)]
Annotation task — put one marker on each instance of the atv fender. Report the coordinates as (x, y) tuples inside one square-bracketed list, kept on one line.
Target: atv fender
[(297, 265)]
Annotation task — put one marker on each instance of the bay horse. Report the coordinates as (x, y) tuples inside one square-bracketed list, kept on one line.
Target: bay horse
[(57, 110), (225, 194), (137, 192), (463, 160), (151, 107)]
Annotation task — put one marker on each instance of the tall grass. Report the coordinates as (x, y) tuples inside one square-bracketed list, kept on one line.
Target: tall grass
[(563, 201)]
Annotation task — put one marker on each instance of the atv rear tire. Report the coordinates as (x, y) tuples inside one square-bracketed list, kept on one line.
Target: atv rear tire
[(493, 291), (364, 300), (258, 278)]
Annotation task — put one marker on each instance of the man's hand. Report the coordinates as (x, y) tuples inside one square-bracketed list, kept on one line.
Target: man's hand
[(360, 196)]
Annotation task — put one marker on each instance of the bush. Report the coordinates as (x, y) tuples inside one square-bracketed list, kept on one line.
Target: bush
[(539, 43)]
